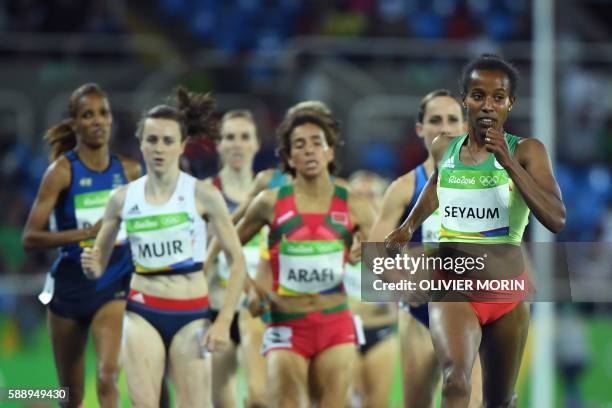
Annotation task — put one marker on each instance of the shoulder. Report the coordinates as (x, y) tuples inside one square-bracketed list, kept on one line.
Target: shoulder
[(206, 189), (117, 197), (525, 143), (401, 189), (403, 182), (131, 167), (267, 197), (528, 148), (59, 172), (264, 176), (208, 181), (263, 205), (339, 181)]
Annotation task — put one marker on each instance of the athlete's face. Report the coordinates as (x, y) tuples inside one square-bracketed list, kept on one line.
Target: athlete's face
[(238, 144), (368, 188), (310, 154), (161, 144), (93, 120), (488, 101), (442, 116)]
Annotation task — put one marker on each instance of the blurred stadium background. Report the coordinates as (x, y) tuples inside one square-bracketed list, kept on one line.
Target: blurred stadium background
[(370, 60)]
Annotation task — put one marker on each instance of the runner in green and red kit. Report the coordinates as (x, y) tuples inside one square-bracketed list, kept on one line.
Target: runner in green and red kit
[(310, 340), (487, 182)]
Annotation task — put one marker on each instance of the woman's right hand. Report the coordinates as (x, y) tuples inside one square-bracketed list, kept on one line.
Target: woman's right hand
[(398, 238), (257, 303), (90, 262)]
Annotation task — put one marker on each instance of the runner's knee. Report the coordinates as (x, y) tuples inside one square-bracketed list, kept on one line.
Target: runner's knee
[(455, 382)]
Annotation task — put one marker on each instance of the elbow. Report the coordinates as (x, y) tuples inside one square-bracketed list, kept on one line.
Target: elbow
[(556, 226), (559, 225), (27, 242), (558, 222)]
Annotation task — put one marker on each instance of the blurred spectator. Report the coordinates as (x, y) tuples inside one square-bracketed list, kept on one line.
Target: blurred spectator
[(583, 114)]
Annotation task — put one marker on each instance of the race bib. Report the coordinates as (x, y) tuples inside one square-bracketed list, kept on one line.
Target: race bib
[(430, 230), (474, 202), (89, 209), (310, 267), (160, 242)]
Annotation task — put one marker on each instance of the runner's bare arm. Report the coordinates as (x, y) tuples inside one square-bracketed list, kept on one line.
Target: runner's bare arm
[(532, 174), (427, 202), (94, 260), (35, 236), (261, 182), (395, 200), (215, 209)]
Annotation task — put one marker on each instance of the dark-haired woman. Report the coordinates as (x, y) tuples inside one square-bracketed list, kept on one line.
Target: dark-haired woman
[(501, 177), (165, 213), (73, 194), (310, 341)]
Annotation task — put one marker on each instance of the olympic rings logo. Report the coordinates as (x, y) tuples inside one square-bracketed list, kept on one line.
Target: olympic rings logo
[(488, 180)]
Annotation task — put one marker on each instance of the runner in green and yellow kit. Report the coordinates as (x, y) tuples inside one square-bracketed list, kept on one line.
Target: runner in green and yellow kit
[(487, 182)]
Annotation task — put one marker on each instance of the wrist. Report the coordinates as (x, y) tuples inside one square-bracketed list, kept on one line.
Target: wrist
[(512, 166), (224, 318), (85, 234), (408, 228)]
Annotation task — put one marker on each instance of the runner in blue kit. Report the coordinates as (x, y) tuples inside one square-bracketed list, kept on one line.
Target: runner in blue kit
[(167, 214), (72, 198), (439, 113)]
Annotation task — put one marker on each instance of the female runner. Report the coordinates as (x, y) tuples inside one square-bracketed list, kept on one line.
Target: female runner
[(511, 176), (166, 214), (310, 341), (237, 148), (72, 195)]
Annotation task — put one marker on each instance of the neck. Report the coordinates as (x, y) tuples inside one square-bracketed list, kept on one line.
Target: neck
[(475, 141), (316, 186), (242, 177), (162, 183), (429, 164), (96, 159)]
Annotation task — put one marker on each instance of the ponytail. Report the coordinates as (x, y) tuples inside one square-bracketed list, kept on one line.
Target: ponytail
[(194, 112), (61, 138)]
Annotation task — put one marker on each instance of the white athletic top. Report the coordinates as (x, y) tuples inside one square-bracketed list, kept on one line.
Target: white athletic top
[(170, 238)]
